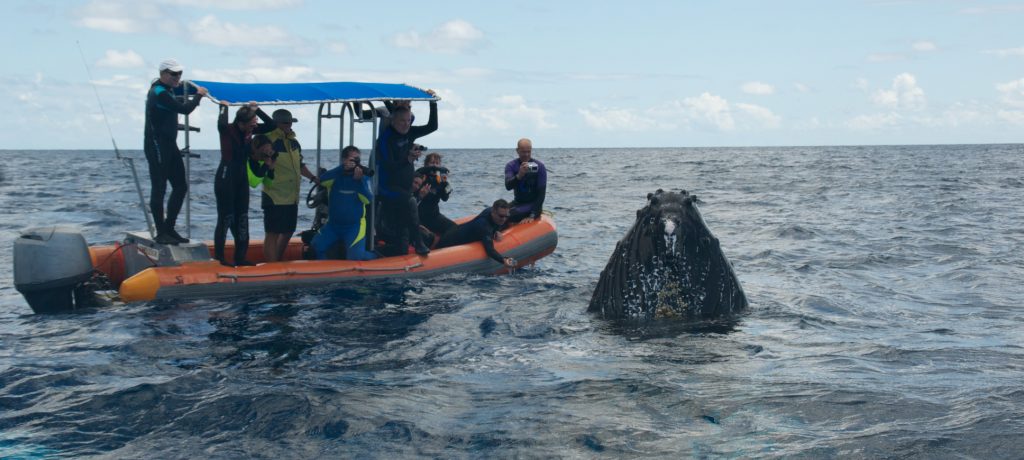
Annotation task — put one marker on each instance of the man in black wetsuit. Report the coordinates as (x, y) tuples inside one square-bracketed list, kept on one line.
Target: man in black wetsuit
[(161, 147), (395, 160), (434, 189), (484, 228)]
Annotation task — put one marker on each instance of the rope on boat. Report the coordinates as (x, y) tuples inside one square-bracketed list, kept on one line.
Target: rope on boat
[(237, 276)]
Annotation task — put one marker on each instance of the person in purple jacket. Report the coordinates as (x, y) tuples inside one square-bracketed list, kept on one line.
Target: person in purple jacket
[(528, 179)]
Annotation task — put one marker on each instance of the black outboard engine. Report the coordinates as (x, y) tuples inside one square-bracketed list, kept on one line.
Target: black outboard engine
[(51, 266)]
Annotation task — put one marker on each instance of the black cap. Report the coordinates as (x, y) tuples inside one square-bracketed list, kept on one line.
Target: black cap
[(283, 116)]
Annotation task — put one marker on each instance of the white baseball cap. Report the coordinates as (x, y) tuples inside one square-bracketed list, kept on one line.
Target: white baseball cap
[(171, 65)]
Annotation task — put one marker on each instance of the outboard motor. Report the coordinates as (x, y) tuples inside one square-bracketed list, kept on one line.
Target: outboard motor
[(51, 265)]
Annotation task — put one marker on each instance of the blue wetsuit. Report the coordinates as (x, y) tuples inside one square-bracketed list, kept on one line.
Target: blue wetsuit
[(529, 191), (346, 221)]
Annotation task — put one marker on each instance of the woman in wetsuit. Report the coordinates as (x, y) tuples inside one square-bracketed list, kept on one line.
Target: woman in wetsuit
[(231, 185), (437, 189)]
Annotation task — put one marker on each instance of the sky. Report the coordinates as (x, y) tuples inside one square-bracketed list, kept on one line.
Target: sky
[(563, 73)]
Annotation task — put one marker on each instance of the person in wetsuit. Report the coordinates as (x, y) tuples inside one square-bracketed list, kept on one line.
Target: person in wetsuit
[(395, 161), (528, 179), (484, 228), (435, 189), (160, 142), (344, 234), (231, 184)]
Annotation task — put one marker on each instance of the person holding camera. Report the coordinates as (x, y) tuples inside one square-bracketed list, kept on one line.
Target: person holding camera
[(230, 185), (434, 189), (528, 179), (396, 159), (349, 194)]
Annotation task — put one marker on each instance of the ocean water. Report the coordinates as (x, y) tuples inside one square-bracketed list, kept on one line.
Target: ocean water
[(886, 319)]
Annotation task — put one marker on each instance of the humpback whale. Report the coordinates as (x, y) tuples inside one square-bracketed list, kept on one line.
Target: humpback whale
[(668, 265)]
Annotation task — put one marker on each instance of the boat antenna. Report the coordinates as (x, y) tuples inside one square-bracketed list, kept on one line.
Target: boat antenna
[(128, 161)]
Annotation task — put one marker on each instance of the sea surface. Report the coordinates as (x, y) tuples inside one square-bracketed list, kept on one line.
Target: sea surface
[(886, 319)]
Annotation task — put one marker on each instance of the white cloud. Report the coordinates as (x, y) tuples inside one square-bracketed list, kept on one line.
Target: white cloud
[(238, 4), (1014, 117), (709, 108), (758, 88), (875, 121), (616, 120), (338, 47), (121, 16), (999, 9), (273, 74), (509, 114), (1007, 52), (211, 31), (121, 59), (712, 111), (454, 36), (886, 57), (762, 116), (1013, 92), (924, 46), (904, 94)]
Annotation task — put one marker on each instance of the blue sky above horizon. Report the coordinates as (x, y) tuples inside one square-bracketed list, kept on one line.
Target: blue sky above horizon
[(565, 73)]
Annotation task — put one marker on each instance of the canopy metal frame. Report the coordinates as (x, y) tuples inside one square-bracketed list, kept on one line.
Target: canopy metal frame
[(350, 109)]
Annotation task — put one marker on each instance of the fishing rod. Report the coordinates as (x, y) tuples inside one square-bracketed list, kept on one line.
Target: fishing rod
[(128, 161)]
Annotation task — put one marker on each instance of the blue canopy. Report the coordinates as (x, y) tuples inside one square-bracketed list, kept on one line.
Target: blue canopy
[(308, 93)]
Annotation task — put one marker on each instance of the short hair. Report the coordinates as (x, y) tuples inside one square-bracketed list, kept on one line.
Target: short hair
[(244, 114), (432, 156), (259, 140), (500, 203), (348, 150)]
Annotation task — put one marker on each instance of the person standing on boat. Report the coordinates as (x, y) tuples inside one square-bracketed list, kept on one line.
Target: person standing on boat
[(160, 142), (435, 189), (484, 228), (344, 234), (280, 198), (231, 184), (395, 161), (528, 178)]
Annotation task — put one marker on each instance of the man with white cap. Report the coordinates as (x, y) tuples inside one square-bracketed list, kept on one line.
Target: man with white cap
[(161, 147)]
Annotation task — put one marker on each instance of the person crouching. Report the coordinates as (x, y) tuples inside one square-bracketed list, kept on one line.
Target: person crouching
[(344, 234)]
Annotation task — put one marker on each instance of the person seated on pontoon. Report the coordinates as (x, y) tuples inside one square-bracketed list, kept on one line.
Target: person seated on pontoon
[(395, 162), (435, 189), (527, 177), (349, 193), (485, 228)]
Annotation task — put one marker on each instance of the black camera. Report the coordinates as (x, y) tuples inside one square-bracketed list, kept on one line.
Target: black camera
[(532, 167), (367, 171)]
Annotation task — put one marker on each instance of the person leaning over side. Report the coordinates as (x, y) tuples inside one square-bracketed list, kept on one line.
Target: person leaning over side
[(160, 142), (528, 179), (280, 198), (435, 189), (485, 228), (344, 234), (231, 183), (395, 162)]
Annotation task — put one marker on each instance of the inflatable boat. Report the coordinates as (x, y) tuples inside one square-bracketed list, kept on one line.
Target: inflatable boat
[(56, 270)]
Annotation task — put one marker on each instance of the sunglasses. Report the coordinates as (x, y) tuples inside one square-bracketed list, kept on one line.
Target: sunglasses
[(173, 74)]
